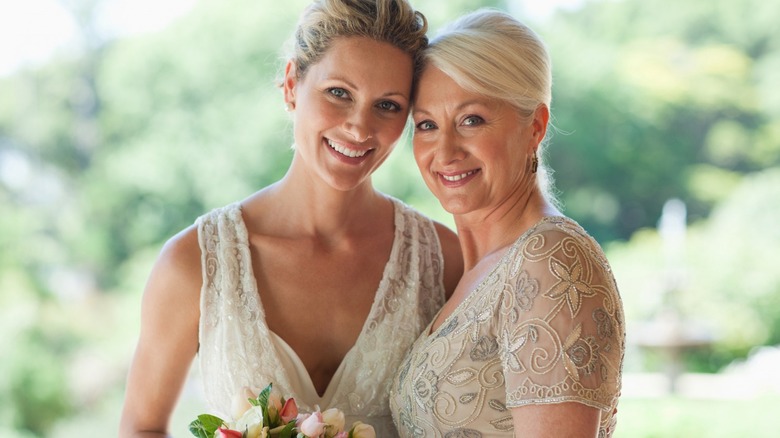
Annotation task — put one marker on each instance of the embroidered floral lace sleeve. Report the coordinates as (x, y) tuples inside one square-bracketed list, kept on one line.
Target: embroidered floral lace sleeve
[(545, 326), (559, 325)]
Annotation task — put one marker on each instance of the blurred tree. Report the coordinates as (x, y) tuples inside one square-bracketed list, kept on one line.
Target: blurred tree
[(729, 286), (734, 279), (656, 100)]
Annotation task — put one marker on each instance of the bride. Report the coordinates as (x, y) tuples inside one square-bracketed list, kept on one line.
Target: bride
[(317, 283)]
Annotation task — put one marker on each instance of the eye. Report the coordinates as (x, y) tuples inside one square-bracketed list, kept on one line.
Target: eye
[(425, 125), (338, 92), (388, 105), (473, 121)]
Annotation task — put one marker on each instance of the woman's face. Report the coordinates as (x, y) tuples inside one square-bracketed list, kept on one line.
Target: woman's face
[(474, 152), (350, 108)]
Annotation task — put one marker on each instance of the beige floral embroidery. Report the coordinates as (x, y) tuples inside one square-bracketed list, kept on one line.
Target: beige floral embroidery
[(581, 354), (571, 285), (514, 343), (526, 290)]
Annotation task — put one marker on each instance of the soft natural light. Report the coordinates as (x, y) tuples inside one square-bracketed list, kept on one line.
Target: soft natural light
[(538, 10), (31, 31)]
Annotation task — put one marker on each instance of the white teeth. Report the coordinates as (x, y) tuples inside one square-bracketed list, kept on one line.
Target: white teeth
[(343, 150), (454, 178)]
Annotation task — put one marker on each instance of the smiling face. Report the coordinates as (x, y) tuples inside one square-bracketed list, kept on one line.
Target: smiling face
[(350, 108), (474, 152)]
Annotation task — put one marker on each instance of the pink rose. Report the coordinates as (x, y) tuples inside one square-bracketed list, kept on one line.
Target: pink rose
[(289, 411), (341, 434), (227, 433), (311, 425)]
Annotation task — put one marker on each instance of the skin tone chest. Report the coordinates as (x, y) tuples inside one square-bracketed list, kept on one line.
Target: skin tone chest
[(316, 283)]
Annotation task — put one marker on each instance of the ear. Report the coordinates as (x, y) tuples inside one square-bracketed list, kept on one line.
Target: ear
[(289, 82), (539, 125)]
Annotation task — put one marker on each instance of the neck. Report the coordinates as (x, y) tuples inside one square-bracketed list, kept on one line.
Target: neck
[(314, 208), (485, 232)]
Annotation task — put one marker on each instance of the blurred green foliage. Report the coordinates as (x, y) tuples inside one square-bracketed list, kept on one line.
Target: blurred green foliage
[(676, 417), (105, 154), (659, 99)]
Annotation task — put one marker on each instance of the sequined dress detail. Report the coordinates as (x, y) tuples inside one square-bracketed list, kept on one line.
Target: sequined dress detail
[(544, 326), (238, 350)]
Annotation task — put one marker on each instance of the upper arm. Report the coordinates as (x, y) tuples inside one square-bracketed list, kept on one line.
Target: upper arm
[(453, 258), (168, 340), (570, 419), (560, 332)]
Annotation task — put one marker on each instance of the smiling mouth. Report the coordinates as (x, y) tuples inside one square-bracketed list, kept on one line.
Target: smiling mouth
[(347, 152), (458, 177)]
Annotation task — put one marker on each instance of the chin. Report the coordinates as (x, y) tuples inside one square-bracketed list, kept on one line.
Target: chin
[(347, 184), (456, 207)]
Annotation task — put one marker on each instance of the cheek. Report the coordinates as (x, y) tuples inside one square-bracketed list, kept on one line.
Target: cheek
[(421, 157), (390, 130)]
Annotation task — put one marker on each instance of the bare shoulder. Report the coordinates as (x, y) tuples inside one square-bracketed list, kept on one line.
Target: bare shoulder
[(177, 273), (453, 258), (168, 342), (180, 257)]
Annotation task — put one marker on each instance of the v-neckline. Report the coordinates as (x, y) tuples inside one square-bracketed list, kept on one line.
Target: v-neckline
[(430, 333), (381, 290)]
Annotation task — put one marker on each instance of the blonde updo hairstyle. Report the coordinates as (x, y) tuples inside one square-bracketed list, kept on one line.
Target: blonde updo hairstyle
[(489, 52), (391, 21)]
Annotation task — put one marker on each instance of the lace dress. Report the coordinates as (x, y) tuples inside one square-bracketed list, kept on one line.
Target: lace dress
[(238, 350), (544, 326)]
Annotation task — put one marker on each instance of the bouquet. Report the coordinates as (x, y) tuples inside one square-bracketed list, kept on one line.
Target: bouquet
[(269, 415)]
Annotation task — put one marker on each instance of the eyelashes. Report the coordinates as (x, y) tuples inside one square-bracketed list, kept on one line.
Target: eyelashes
[(467, 121), (384, 105)]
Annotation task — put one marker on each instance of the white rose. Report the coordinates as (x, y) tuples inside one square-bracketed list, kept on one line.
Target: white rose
[(334, 418), (362, 430), (251, 420), (257, 431)]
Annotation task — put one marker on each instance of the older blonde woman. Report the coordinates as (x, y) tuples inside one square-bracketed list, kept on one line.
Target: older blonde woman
[(531, 342)]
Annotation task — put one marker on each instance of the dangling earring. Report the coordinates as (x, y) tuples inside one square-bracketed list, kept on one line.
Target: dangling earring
[(534, 163)]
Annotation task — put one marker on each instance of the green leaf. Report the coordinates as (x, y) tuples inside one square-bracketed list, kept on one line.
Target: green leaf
[(205, 426), (262, 400), (196, 428), (288, 430)]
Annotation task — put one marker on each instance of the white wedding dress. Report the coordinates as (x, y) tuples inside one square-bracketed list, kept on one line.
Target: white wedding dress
[(238, 350)]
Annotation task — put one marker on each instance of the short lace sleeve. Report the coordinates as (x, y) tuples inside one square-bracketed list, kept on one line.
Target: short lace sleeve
[(560, 329)]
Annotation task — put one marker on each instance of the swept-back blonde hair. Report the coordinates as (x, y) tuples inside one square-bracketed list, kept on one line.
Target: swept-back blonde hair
[(392, 21), (489, 52)]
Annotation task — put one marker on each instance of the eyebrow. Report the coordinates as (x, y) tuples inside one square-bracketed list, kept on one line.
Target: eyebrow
[(352, 84), (457, 108)]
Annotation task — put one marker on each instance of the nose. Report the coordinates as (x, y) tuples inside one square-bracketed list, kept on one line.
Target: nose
[(449, 149), (358, 125)]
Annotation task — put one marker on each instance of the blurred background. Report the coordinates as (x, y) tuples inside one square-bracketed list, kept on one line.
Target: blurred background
[(122, 121)]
